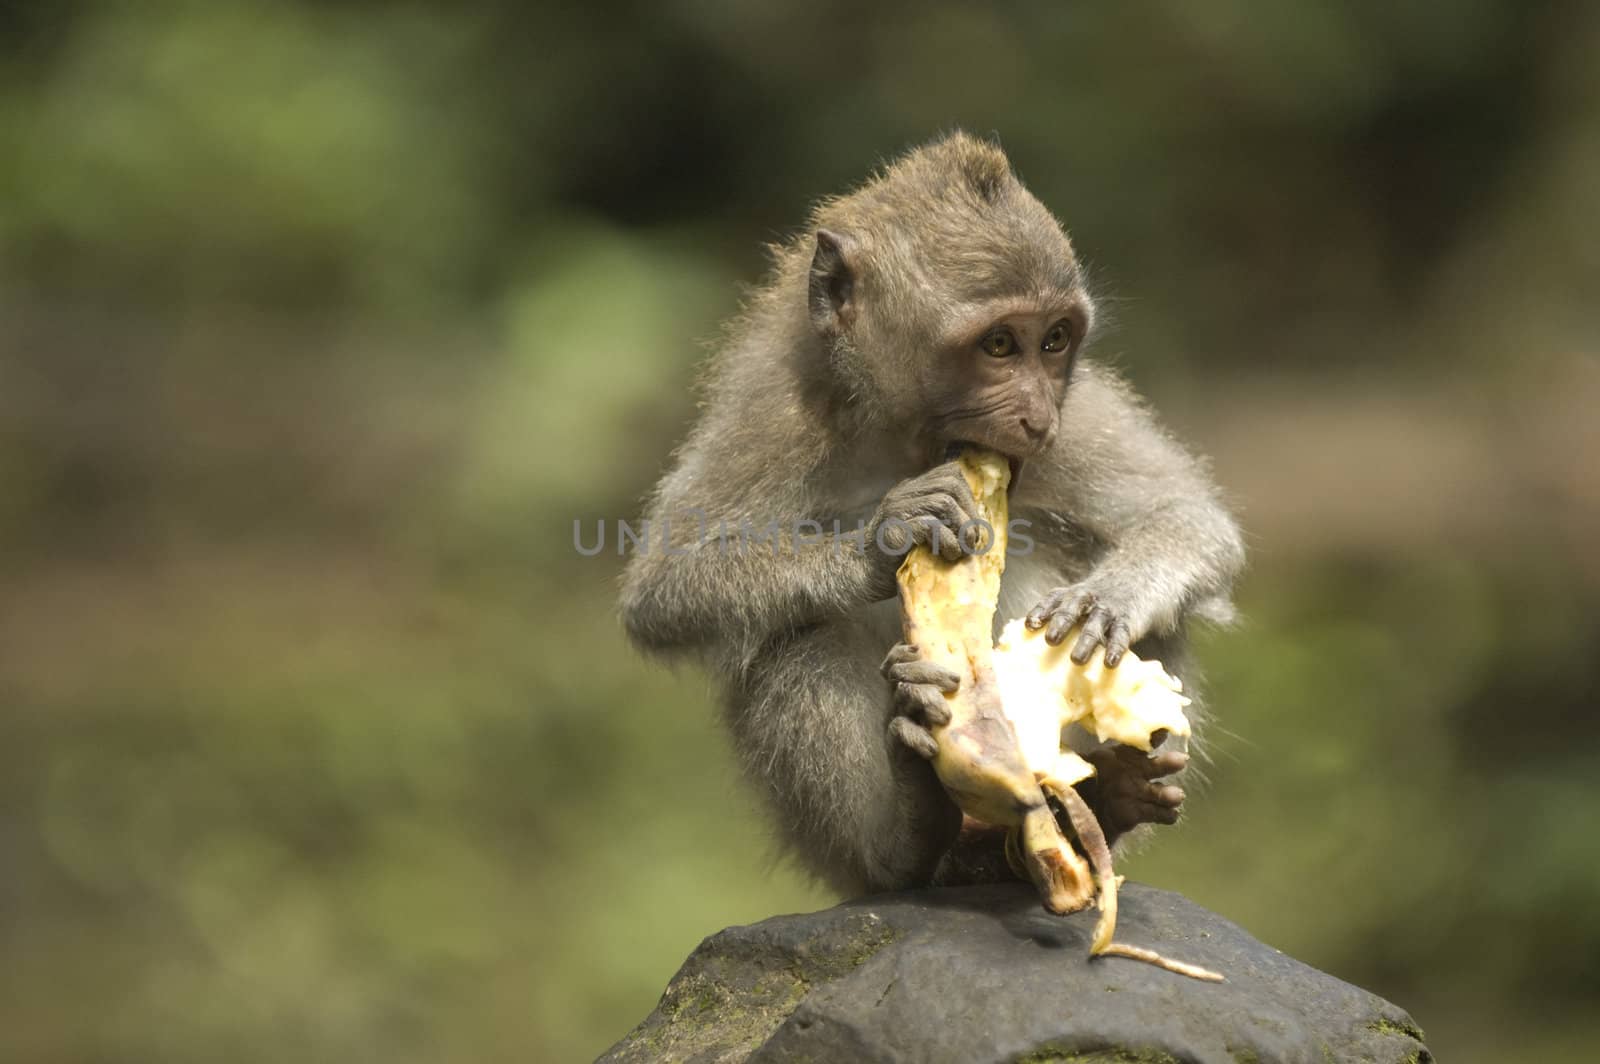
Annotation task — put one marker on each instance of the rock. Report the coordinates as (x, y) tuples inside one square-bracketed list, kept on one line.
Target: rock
[(983, 974)]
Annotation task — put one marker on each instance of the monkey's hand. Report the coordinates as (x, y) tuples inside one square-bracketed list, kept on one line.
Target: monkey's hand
[(1105, 621), (919, 703), (932, 510), (1126, 789)]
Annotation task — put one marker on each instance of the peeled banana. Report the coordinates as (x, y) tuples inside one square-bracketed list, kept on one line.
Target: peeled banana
[(1002, 754)]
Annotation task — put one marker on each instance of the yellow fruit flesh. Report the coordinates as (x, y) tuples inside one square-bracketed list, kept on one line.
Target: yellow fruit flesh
[(948, 612), (1004, 748)]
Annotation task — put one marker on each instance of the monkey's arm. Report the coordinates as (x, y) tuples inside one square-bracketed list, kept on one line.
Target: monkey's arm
[(752, 553), (1169, 546), (736, 591)]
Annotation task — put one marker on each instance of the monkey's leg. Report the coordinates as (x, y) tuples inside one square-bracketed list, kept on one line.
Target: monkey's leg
[(858, 807)]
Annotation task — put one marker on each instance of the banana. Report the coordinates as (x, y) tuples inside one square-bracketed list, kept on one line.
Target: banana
[(1002, 754)]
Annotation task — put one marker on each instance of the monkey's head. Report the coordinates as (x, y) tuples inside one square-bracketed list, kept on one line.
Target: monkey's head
[(950, 301)]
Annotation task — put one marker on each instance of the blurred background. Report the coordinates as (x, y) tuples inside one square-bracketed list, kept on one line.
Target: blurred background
[(320, 324)]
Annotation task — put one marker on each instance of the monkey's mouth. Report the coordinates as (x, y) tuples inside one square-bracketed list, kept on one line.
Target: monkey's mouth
[(954, 448)]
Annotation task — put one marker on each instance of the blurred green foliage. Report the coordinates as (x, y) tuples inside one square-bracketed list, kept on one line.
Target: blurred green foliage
[(322, 323)]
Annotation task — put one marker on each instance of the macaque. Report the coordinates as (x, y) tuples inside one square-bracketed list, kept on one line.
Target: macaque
[(938, 305)]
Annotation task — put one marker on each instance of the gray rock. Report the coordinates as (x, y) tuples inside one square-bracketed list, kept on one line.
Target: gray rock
[(972, 975)]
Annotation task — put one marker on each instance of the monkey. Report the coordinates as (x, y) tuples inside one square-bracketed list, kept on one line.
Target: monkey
[(938, 305)]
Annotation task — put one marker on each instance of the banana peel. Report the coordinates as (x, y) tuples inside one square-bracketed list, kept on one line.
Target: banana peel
[(1002, 755)]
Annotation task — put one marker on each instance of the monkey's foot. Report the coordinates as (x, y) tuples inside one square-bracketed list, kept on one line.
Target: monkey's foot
[(1127, 788), (919, 688)]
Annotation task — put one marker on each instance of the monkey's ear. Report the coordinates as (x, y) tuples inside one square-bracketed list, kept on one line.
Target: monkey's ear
[(833, 281)]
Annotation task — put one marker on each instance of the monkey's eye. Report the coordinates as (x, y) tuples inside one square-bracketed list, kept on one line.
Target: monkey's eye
[(999, 344), (1059, 336)]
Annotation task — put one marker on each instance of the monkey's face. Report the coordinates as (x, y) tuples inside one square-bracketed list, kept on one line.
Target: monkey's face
[(1002, 373), (950, 303)]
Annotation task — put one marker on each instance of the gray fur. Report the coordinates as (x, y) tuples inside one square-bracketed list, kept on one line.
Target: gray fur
[(817, 406)]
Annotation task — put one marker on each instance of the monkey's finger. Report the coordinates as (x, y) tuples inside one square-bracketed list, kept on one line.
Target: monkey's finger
[(1116, 642), (944, 543), (1149, 765), (924, 672), (898, 653), (1169, 796), (1132, 764), (929, 528), (1129, 812), (923, 700), (939, 503), (1060, 624), (976, 539), (950, 478), (1047, 606), (1158, 808), (918, 738), (1166, 763), (944, 509), (1067, 616), (1094, 633), (895, 537), (1159, 814)]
